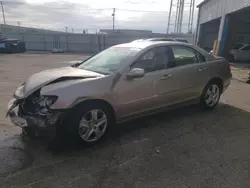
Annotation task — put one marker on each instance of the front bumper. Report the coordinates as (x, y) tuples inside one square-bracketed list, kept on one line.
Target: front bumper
[(40, 125)]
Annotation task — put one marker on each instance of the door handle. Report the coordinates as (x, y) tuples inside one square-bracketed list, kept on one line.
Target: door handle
[(202, 69), (167, 76)]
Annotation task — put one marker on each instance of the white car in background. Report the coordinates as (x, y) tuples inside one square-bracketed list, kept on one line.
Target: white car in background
[(162, 39), (241, 52)]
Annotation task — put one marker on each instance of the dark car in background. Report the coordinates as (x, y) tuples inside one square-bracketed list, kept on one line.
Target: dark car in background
[(8, 45)]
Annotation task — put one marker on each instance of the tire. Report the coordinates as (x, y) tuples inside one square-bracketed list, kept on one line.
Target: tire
[(30, 133), (211, 95), (248, 81), (83, 126)]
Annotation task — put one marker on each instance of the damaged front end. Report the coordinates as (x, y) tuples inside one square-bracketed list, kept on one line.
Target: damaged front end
[(33, 108), (33, 112)]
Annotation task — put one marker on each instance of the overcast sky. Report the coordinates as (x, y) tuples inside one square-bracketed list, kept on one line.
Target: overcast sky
[(91, 14)]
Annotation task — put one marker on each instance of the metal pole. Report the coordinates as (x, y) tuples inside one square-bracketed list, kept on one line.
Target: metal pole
[(181, 15), (3, 13), (190, 15), (169, 15), (177, 17), (67, 39), (192, 19), (113, 19)]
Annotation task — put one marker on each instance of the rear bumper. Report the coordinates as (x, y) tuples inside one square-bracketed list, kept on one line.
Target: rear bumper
[(40, 125)]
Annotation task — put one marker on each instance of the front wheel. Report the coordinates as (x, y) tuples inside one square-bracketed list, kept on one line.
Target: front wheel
[(91, 122), (93, 125), (211, 96)]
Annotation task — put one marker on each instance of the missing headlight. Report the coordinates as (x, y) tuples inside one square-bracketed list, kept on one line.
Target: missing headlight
[(36, 103), (47, 101)]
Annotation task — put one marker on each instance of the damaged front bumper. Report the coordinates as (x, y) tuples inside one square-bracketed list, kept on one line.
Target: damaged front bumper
[(41, 125)]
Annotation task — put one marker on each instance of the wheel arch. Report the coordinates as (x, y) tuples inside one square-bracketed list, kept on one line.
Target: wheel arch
[(97, 101), (217, 80)]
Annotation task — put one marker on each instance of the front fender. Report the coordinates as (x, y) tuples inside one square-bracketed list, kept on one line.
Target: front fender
[(73, 92)]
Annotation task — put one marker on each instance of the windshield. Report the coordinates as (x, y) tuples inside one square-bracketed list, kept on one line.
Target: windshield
[(109, 60), (237, 46)]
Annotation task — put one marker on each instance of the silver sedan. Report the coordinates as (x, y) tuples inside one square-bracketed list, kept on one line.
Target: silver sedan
[(118, 84)]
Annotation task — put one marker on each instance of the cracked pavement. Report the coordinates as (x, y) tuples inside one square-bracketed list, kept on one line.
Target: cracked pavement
[(187, 147)]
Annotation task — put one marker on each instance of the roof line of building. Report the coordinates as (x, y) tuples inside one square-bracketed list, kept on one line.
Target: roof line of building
[(202, 3)]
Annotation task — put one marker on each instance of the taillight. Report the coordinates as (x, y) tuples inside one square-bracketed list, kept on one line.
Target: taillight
[(229, 67)]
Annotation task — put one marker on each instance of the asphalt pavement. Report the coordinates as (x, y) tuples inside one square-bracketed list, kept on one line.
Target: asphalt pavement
[(187, 147)]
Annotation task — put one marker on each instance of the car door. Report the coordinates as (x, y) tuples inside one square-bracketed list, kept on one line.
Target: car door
[(187, 72), (243, 54), (138, 95)]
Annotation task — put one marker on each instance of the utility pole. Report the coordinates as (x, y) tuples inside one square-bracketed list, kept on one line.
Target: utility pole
[(113, 20), (3, 13), (169, 16), (176, 25), (192, 17), (181, 15), (67, 38)]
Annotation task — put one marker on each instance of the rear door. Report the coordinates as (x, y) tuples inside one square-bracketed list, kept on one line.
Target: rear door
[(186, 75)]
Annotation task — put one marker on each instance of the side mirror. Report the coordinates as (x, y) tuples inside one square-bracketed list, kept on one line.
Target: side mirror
[(135, 73), (75, 64)]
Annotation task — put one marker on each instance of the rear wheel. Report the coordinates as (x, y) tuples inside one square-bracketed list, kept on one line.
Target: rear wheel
[(211, 95), (29, 132)]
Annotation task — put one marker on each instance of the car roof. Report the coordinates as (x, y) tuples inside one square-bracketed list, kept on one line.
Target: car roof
[(146, 43), (160, 39), (154, 39)]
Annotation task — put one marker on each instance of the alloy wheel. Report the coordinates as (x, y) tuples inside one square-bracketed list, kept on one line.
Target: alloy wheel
[(212, 95), (93, 125)]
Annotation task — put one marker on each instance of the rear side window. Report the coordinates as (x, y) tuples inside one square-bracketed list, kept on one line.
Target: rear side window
[(246, 48), (237, 46), (167, 40), (184, 56), (182, 40), (200, 57), (162, 40)]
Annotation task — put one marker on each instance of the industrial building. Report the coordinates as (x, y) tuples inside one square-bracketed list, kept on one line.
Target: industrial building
[(222, 24)]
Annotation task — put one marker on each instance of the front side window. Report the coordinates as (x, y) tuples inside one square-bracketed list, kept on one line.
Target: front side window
[(152, 60), (109, 60)]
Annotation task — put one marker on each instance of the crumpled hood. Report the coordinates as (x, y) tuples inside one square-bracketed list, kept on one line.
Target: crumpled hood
[(40, 79)]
